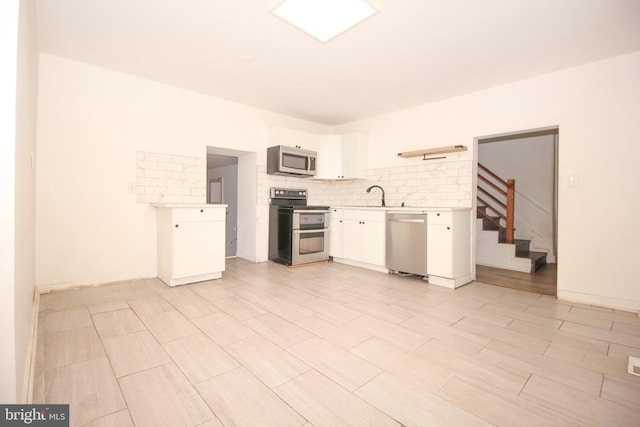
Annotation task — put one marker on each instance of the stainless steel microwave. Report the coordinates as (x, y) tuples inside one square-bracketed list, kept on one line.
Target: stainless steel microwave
[(283, 160)]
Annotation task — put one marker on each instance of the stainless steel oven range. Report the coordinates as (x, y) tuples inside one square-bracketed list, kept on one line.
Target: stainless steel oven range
[(298, 233)]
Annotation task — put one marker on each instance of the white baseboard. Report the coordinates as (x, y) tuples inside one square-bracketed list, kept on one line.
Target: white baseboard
[(451, 283), (32, 351), (600, 301), (373, 267)]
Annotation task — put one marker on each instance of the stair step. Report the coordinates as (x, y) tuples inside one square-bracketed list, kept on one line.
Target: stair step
[(538, 259), (522, 247), (488, 225)]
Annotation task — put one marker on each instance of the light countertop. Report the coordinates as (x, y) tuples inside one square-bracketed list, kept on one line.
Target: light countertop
[(187, 205), (401, 209)]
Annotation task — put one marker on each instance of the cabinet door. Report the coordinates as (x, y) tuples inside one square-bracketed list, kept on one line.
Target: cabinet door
[(364, 239), (336, 242), (354, 154), (198, 248), (373, 242), (329, 157), (353, 234), (293, 138), (440, 250)]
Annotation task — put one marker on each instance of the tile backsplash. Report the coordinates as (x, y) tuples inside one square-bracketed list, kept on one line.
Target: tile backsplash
[(434, 184), (168, 178)]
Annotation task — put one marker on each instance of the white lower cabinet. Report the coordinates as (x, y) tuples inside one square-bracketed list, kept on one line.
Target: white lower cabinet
[(336, 231), (362, 236), (448, 247), (358, 237), (191, 243)]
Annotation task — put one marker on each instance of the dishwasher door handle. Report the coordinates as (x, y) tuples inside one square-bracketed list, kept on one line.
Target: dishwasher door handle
[(417, 221)]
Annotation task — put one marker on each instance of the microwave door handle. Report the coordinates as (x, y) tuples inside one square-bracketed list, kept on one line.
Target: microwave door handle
[(308, 163)]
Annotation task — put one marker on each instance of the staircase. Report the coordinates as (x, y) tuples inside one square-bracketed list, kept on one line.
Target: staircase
[(496, 244), (494, 251)]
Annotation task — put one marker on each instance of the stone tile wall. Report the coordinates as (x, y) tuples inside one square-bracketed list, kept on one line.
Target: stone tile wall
[(434, 184), (167, 178)]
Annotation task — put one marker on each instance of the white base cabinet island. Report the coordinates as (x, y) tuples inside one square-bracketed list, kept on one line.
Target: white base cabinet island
[(191, 242)]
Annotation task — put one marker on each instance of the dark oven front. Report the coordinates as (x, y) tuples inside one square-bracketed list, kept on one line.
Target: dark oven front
[(298, 236)]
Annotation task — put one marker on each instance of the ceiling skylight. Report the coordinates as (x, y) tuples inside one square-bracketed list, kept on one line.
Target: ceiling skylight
[(324, 19)]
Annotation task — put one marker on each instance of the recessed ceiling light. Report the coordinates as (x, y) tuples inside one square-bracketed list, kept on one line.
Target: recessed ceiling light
[(324, 19)]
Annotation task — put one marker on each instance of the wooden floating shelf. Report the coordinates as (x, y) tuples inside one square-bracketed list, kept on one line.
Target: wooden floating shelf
[(432, 151)]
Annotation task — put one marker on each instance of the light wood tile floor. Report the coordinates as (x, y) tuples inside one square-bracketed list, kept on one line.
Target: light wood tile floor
[(332, 345), (543, 281)]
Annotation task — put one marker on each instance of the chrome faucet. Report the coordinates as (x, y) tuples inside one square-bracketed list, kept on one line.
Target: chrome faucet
[(377, 186)]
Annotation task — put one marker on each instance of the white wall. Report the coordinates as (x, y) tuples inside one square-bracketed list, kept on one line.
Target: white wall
[(92, 121), (8, 53), (596, 107), (18, 100)]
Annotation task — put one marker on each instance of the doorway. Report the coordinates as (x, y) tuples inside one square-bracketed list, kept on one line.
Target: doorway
[(222, 188), (216, 190), (245, 221), (531, 159)]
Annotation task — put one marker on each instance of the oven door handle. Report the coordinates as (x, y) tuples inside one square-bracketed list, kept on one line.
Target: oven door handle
[(316, 230)]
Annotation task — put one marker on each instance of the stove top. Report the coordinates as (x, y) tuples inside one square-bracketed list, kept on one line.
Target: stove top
[(294, 198), (288, 194)]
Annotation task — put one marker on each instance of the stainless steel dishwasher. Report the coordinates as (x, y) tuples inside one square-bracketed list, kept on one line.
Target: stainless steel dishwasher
[(407, 242)]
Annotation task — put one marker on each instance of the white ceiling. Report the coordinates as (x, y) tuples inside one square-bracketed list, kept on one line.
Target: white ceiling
[(411, 53)]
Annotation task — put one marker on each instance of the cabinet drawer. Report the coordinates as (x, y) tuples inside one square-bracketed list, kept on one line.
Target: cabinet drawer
[(439, 218), (364, 215), (198, 214), (337, 213)]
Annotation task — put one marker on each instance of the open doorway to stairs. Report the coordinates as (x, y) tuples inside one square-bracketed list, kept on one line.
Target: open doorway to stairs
[(530, 159)]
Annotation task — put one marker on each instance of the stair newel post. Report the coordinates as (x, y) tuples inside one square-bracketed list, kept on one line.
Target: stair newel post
[(511, 191)]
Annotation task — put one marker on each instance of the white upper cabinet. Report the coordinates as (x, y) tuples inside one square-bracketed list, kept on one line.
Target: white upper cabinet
[(339, 156), (329, 161), (293, 138), (342, 156), (355, 155)]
